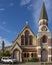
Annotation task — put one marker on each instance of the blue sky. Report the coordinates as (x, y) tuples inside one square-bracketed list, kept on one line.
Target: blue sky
[(15, 13)]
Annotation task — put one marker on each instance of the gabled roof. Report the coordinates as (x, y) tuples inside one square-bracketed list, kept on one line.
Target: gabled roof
[(26, 26), (15, 45), (43, 13)]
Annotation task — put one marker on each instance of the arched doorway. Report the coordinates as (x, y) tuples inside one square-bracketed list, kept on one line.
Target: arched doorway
[(44, 55), (16, 55)]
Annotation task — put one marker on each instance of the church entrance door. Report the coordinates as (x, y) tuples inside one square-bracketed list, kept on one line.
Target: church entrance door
[(16, 55), (44, 56)]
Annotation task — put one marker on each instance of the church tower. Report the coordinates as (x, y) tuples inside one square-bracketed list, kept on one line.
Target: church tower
[(43, 20), (44, 37)]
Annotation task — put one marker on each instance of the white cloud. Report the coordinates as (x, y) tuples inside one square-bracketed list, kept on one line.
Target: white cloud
[(24, 2), (2, 9), (3, 22), (36, 12), (7, 43), (48, 4), (30, 7), (35, 9), (6, 30)]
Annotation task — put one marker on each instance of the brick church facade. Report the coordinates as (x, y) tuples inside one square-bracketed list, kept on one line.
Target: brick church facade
[(27, 44)]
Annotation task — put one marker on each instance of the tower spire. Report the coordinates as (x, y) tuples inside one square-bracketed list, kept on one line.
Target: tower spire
[(43, 20), (43, 14)]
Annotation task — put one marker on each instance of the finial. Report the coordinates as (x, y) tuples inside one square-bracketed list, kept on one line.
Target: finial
[(26, 22)]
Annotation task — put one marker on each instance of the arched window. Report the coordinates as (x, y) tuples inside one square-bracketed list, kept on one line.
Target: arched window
[(30, 40), (26, 37), (27, 54), (44, 39), (22, 40), (32, 55), (24, 54)]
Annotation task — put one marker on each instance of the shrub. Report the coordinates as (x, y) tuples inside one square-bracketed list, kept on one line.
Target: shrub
[(34, 59), (7, 53)]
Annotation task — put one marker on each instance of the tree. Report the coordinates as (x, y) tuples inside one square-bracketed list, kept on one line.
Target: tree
[(7, 53)]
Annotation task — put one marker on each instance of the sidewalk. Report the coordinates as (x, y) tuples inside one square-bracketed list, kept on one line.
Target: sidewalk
[(30, 63)]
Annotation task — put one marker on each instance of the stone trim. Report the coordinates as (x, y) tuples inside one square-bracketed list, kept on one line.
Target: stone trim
[(42, 20), (29, 52), (38, 47), (39, 55), (49, 55), (49, 37), (49, 47)]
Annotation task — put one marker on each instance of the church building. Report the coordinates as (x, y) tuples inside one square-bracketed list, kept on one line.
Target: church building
[(27, 43)]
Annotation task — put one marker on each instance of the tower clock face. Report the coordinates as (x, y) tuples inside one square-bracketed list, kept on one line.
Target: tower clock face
[(44, 28)]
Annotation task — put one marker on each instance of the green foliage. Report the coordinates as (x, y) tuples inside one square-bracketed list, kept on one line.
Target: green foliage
[(34, 59), (7, 53), (0, 55)]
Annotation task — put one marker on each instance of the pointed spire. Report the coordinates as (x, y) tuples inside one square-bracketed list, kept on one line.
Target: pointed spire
[(43, 14), (3, 45)]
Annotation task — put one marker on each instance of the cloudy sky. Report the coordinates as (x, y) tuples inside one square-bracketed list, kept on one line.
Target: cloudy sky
[(15, 13)]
